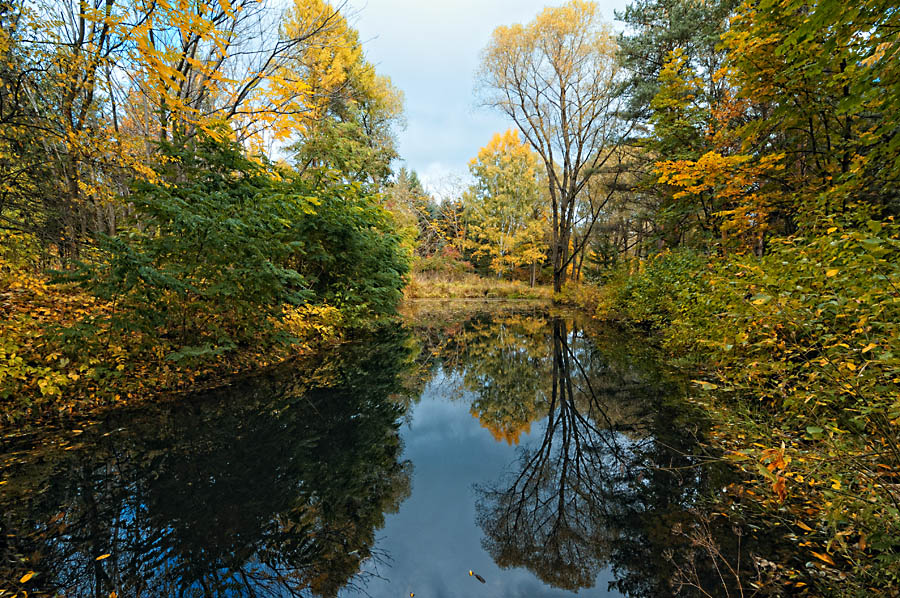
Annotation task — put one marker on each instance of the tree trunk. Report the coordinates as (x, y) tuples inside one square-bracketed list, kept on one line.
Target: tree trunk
[(556, 256), (559, 271)]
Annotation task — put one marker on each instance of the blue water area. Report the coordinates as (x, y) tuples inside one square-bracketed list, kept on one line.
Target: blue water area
[(434, 540), (547, 456)]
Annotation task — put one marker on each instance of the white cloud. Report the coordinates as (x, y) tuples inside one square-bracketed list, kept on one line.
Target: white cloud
[(444, 180), (430, 49)]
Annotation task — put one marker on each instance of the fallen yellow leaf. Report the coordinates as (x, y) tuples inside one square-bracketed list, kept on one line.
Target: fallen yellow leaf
[(823, 557), (802, 525), (27, 576), (102, 556)]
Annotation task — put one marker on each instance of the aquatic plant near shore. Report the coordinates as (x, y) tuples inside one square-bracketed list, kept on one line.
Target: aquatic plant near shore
[(798, 364)]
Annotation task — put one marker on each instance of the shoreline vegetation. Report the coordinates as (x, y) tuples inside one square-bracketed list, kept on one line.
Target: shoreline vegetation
[(724, 174), (172, 213), (233, 268), (472, 286), (793, 357), (53, 385)]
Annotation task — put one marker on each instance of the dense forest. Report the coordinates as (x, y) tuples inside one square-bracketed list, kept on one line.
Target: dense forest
[(187, 190), (192, 189)]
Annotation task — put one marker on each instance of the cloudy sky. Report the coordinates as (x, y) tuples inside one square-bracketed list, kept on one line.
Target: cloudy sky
[(430, 49)]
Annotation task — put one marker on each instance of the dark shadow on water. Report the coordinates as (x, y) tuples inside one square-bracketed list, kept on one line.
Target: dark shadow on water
[(273, 487), (278, 485)]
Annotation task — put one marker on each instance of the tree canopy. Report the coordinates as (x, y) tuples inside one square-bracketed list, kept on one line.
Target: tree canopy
[(505, 209), (556, 78)]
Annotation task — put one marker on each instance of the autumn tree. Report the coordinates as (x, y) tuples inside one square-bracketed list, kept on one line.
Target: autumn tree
[(133, 142), (352, 113), (655, 28), (767, 121), (94, 84), (206, 64), (824, 76), (504, 209), (556, 78), (709, 188), (21, 192), (672, 51)]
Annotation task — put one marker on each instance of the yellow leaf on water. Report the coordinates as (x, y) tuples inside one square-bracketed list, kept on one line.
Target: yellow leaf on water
[(27, 576), (102, 556)]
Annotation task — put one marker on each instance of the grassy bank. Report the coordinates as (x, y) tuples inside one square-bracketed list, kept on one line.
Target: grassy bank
[(796, 356), (425, 285)]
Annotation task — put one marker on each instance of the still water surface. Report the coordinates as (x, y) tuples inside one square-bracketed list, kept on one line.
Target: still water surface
[(546, 457)]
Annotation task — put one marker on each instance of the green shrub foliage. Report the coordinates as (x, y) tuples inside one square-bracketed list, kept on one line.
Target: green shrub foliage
[(225, 244)]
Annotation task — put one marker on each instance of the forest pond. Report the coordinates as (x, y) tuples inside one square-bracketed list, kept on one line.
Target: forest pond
[(546, 456)]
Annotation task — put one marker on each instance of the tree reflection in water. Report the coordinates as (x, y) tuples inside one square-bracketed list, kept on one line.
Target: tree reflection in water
[(550, 518), (274, 487), (611, 475)]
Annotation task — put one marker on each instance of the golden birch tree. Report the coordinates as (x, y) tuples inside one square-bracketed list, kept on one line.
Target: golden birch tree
[(505, 210), (556, 79)]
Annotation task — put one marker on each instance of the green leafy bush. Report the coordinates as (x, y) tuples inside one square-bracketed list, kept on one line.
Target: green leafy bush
[(225, 245), (345, 246), (672, 291), (801, 352)]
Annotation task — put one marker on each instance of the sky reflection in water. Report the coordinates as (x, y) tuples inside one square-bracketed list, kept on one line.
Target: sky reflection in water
[(514, 445), (434, 539)]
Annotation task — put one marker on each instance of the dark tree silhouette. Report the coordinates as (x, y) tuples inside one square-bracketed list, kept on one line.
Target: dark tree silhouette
[(609, 483)]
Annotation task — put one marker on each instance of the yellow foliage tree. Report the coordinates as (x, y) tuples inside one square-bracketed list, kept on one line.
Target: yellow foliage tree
[(505, 209), (557, 79), (98, 81), (727, 182)]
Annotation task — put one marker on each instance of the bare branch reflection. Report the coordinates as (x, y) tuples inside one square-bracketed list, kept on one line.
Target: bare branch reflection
[(555, 516)]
